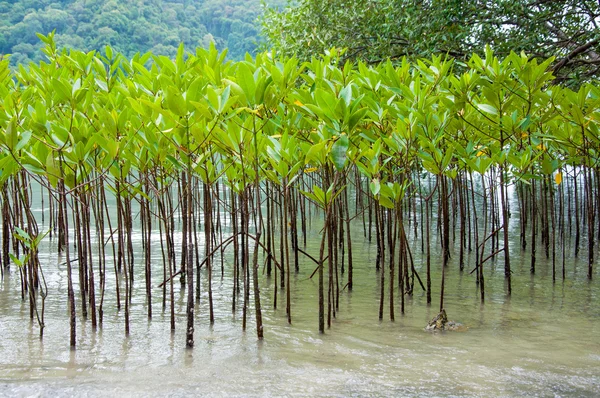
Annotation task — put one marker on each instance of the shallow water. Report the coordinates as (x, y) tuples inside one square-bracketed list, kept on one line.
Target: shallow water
[(543, 341)]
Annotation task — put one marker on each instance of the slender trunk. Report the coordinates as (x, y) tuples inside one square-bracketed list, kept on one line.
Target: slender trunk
[(504, 200)]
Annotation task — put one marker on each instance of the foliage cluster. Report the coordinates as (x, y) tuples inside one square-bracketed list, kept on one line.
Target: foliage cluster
[(374, 30)]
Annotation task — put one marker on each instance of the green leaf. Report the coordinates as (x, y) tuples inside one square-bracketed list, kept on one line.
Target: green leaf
[(375, 186), (62, 90), (488, 109), (22, 234), (339, 151), (11, 134), (23, 141), (316, 153), (16, 260), (175, 101)]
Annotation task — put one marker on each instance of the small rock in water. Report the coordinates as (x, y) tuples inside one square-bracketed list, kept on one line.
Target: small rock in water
[(441, 322)]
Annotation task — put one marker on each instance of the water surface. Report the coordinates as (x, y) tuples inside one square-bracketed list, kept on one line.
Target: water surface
[(543, 341)]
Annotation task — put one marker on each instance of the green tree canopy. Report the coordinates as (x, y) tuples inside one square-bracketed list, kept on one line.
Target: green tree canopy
[(129, 26), (374, 30)]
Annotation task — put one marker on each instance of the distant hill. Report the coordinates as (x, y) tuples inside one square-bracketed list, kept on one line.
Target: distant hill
[(130, 26)]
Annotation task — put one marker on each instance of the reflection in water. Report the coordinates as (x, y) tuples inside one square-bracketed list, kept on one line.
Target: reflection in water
[(542, 341)]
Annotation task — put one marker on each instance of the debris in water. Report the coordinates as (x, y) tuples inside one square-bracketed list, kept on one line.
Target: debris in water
[(441, 322)]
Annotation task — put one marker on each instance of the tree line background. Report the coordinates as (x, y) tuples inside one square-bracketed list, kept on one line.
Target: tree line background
[(130, 26), (374, 30)]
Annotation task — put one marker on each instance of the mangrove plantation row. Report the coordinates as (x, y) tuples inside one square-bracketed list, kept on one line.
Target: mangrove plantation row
[(229, 163)]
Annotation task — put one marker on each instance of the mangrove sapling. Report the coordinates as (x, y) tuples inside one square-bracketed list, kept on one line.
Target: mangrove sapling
[(244, 253), (164, 263), (146, 215), (64, 223), (195, 217), (122, 258), (282, 239), (523, 212), (219, 228), (99, 223), (476, 228), (576, 205), (275, 280), (380, 222), (30, 263), (5, 227), (337, 257), (461, 186), (392, 239), (445, 219), (505, 226), (590, 217), (481, 247), (561, 217), (293, 209), (534, 217), (188, 254), (236, 261), (569, 206), (87, 244), (553, 228), (401, 263), (259, 231), (330, 258), (208, 211), (81, 256), (597, 201), (348, 239), (269, 221), (182, 217), (427, 201), (303, 211), (128, 218), (545, 231), (285, 237), (378, 238)]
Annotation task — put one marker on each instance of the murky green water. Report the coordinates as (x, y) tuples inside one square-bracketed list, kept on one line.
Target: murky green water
[(544, 341)]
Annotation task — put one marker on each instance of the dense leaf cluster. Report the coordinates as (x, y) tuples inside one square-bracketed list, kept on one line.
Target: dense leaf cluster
[(374, 30), (106, 114)]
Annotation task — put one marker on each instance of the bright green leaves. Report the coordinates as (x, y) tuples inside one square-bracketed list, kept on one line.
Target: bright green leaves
[(391, 194), (340, 110), (388, 194), (283, 156), (31, 243), (323, 198), (219, 100)]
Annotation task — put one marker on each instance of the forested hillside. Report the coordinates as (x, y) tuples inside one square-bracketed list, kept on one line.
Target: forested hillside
[(129, 26)]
